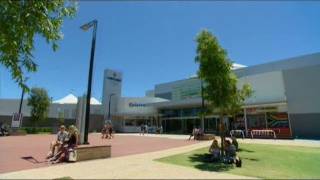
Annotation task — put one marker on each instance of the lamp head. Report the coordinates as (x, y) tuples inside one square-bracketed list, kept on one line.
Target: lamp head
[(88, 25)]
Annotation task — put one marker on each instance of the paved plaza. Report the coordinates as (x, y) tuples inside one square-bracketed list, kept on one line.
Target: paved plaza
[(27, 152), (132, 157)]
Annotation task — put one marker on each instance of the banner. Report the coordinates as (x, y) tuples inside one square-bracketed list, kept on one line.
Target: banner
[(16, 120)]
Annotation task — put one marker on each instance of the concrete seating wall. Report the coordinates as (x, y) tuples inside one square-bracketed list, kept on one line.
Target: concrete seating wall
[(86, 152)]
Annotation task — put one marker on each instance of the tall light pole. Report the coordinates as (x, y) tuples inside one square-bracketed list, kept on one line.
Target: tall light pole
[(110, 105), (85, 27), (22, 95)]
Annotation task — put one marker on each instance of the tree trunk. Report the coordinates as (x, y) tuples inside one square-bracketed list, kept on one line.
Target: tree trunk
[(222, 134)]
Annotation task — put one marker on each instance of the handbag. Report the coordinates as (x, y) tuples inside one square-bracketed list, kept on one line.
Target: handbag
[(72, 155)]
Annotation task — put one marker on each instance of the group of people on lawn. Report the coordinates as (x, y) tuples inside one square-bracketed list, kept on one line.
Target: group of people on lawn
[(63, 148), (230, 152)]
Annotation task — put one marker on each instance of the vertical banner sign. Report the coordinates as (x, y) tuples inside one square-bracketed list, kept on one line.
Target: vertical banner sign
[(16, 120)]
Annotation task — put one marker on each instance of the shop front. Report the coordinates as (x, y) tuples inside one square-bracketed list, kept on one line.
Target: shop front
[(266, 117)]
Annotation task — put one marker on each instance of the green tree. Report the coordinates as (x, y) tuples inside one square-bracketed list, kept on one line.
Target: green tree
[(40, 103), (215, 70), (20, 21), (235, 106)]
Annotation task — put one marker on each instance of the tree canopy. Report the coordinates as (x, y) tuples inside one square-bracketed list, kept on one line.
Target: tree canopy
[(215, 69), (20, 21), (39, 101)]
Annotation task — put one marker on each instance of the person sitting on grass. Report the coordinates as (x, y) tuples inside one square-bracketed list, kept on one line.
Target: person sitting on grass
[(67, 150), (231, 154), (235, 143), (214, 151), (61, 136)]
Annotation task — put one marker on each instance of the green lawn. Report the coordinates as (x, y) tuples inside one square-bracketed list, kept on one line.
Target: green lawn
[(264, 161)]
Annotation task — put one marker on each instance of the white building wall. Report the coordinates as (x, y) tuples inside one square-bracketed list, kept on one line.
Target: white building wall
[(10, 106), (268, 87)]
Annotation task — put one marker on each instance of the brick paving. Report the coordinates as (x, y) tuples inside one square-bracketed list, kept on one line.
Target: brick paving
[(28, 152)]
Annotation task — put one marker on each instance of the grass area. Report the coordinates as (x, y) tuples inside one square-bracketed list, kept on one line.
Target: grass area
[(264, 161)]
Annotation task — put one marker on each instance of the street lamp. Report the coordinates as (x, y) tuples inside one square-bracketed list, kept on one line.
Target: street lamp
[(22, 95), (85, 27), (110, 104)]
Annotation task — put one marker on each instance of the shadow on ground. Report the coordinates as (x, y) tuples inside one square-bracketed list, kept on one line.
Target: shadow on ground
[(32, 159), (245, 150), (204, 164)]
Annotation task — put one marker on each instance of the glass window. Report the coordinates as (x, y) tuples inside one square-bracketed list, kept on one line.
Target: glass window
[(130, 122), (257, 121)]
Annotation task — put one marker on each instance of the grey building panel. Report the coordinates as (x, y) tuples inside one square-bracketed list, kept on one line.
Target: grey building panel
[(302, 89), (167, 95), (290, 63), (305, 125)]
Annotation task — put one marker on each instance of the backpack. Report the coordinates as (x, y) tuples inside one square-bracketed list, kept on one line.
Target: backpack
[(238, 162)]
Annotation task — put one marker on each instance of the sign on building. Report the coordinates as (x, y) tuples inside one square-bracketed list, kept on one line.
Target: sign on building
[(16, 120)]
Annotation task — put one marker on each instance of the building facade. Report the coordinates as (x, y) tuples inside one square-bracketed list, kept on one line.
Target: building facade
[(285, 99)]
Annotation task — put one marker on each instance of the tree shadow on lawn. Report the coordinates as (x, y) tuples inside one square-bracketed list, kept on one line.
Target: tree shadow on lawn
[(245, 150), (204, 164)]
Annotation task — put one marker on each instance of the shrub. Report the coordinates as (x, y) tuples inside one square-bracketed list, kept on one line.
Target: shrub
[(37, 130)]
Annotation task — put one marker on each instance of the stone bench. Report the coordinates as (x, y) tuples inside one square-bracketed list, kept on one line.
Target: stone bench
[(87, 152), (206, 137)]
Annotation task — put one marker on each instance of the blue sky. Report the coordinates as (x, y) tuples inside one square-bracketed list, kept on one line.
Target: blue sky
[(153, 42)]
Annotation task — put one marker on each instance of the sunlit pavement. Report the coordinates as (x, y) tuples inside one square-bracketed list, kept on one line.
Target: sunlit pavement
[(28, 152), (141, 166)]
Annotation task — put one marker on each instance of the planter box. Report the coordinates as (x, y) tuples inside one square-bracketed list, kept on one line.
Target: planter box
[(87, 152)]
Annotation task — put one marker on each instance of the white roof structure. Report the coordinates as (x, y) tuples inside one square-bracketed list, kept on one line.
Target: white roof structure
[(72, 99), (234, 67), (237, 66)]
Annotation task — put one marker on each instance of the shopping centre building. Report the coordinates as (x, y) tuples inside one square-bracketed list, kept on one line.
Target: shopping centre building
[(285, 99)]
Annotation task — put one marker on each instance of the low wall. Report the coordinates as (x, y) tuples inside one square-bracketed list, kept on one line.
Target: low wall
[(87, 152)]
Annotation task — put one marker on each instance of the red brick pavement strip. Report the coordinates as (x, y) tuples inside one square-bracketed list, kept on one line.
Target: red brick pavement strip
[(28, 152)]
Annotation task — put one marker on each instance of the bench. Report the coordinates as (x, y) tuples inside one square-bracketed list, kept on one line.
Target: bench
[(263, 133), (206, 137), (236, 132), (87, 152)]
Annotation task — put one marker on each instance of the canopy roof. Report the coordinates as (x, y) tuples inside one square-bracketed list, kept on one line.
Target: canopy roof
[(72, 99)]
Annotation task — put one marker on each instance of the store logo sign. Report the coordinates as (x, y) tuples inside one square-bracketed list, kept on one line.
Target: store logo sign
[(132, 104)]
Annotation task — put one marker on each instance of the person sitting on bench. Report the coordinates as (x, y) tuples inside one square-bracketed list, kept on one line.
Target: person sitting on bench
[(67, 150), (61, 136), (194, 133)]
